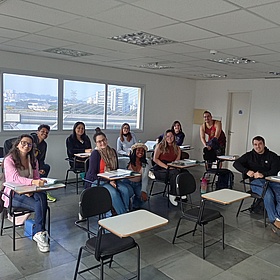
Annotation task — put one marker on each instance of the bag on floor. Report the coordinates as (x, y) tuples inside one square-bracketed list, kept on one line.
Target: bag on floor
[(225, 179)]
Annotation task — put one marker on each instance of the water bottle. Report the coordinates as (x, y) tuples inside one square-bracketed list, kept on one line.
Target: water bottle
[(203, 185)]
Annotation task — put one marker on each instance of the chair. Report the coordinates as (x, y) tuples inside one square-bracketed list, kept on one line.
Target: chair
[(255, 196), (96, 201), (200, 215), (15, 212), (8, 145), (76, 170)]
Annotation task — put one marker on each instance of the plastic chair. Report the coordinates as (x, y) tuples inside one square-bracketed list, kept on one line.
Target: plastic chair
[(15, 212), (255, 196), (200, 215), (96, 201)]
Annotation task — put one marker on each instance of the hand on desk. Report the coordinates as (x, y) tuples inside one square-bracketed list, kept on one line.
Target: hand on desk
[(88, 150), (39, 182), (255, 175)]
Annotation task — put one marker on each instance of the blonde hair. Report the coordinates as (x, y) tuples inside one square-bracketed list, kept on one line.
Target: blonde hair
[(163, 145)]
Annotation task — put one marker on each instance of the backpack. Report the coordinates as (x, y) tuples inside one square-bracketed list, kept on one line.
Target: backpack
[(225, 179)]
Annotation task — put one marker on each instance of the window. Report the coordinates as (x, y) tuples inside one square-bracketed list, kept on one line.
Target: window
[(29, 101)]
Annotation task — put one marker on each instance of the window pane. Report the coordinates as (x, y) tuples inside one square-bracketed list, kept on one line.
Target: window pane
[(84, 102), (29, 101), (123, 105)]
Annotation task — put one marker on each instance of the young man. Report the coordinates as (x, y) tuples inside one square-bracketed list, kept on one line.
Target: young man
[(258, 164), (40, 152)]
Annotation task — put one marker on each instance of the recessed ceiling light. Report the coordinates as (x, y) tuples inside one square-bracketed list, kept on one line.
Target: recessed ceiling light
[(69, 52), (155, 65), (142, 39), (233, 60)]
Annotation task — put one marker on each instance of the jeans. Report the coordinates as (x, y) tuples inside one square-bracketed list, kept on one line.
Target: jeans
[(136, 188), (37, 203), (120, 195), (271, 198)]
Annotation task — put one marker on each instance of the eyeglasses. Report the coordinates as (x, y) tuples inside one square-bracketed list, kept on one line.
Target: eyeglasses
[(24, 143), (104, 140)]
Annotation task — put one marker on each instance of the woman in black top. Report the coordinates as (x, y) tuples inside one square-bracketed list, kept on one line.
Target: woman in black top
[(78, 142)]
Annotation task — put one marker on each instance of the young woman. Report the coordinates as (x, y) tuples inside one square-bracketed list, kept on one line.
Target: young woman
[(165, 152), (138, 163), (103, 159), (78, 142), (179, 134), (21, 166), (126, 140)]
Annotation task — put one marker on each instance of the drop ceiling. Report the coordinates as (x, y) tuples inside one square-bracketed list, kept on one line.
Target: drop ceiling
[(237, 28)]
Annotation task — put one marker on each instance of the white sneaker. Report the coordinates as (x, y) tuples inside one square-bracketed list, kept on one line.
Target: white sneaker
[(151, 175), (41, 238), (172, 199)]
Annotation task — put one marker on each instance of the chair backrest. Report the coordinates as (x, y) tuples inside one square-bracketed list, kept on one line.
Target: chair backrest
[(8, 144), (185, 184), (95, 201)]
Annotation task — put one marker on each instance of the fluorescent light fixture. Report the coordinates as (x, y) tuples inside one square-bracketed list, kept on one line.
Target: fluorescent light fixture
[(69, 52), (142, 39), (155, 66), (213, 76), (274, 73), (233, 60)]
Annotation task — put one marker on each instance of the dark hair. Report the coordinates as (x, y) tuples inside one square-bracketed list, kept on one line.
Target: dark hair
[(98, 133), (207, 112), (44, 126), (97, 129), (74, 130), (174, 123), (132, 158), (128, 136), (258, 138), (14, 152)]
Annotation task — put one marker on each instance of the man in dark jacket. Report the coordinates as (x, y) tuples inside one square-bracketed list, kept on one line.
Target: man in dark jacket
[(258, 164), (41, 151)]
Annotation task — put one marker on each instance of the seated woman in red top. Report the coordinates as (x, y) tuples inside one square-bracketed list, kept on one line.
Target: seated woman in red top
[(165, 152)]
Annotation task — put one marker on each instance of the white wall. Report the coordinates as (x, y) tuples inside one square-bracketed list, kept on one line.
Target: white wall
[(166, 99), (265, 110)]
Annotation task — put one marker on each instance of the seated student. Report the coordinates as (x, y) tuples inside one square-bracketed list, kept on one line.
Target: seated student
[(78, 142), (41, 151), (258, 164), (139, 163), (103, 159), (126, 140), (165, 152), (21, 166)]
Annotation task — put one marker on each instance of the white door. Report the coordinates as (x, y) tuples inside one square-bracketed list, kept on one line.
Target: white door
[(238, 124)]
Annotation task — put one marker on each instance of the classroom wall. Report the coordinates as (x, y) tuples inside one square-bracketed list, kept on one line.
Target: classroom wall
[(265, 113), (166, 99)]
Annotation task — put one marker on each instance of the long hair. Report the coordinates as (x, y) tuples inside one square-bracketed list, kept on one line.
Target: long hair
[(174, 123), (163, 145), (74, 130), (128, 136), (15, 153), (132, 158)]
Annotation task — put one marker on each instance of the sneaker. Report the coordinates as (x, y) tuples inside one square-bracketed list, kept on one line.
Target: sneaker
[(151, 175), (50, 198), (172, 199), (41, 238)]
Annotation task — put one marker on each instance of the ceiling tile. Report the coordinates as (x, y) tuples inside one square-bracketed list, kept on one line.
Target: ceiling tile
[(246, 51), (250, 3), (270, 11)]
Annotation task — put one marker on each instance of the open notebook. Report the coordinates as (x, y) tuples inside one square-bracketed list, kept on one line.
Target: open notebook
[(119, 173)]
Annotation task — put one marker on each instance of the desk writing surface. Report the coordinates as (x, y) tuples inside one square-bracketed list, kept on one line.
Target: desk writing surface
[(118, 174), (225, 196), (133, 222), (23, 189), (228, 158), (183, 163), (82, 155), (275, 179)]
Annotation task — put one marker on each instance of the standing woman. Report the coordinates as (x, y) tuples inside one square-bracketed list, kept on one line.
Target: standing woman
[(78, 142), (179, 134), (138, 163), (103, 159), (126, 140), (21, 166), (165, 152)]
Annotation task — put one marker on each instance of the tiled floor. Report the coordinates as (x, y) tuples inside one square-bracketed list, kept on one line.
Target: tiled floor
[(251, 252)]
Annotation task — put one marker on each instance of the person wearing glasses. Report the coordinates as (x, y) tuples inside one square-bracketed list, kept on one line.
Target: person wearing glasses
[(40, 152), (103, 159), (126, 140), (21, 166)]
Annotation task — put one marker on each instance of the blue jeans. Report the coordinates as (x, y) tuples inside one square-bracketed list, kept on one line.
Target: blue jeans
[(37, 203), (271, 198), (120, 195), (136, 187)]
